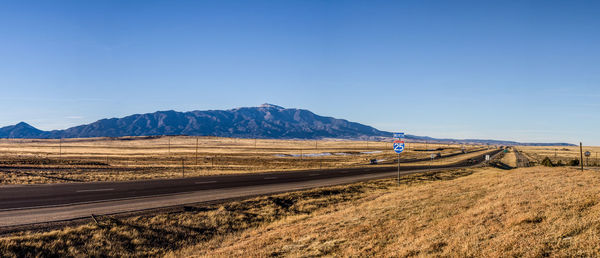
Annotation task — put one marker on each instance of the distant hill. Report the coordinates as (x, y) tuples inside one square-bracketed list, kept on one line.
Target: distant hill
[(265, 121), (21, 130)]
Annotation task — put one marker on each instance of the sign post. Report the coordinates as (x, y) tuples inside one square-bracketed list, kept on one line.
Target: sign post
[(587, 155), (398, 148)]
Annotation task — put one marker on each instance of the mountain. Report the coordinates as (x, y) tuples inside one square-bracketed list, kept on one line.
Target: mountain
[(265, 121)]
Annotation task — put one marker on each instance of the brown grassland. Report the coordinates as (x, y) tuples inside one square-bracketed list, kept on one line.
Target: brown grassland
[(29, 161), (536, 211)]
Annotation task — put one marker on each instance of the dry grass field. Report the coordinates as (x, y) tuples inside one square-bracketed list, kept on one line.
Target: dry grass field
[(530, 212), (30, 161), (562, 153), (536, 211)]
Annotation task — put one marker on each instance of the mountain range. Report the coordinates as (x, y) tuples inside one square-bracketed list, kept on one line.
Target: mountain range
[(265, 121)]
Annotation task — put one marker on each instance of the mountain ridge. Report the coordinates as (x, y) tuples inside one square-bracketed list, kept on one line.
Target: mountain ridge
[(264, 121)]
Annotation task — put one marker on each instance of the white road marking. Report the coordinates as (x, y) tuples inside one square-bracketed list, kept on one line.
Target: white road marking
[(205, 182), (95, 190), (270, 177)]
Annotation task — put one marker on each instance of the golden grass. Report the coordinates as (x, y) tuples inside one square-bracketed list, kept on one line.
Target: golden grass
[(528, 212), (30, 161)]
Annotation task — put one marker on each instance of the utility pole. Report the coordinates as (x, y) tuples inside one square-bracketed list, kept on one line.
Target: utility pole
[(60, 149), (430, 162), (182, 168), (196, 152), (581, 153), (169, 146)]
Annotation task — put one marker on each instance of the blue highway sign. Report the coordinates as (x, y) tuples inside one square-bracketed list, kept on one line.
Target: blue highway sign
[(398, 146)]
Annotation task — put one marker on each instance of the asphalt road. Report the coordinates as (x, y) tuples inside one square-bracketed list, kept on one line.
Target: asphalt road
[(403, 160), (23, 204)]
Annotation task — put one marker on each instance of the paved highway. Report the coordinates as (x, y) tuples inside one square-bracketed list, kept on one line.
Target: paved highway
[(25, 204)]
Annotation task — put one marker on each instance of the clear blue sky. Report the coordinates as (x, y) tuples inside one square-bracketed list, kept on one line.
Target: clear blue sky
[(513, 70)]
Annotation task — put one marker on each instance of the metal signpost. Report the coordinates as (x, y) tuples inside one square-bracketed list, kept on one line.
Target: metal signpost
[(587, 155), (398, 148)]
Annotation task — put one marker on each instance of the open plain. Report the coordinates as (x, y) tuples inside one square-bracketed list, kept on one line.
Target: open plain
[(35, 161), (470, 211)]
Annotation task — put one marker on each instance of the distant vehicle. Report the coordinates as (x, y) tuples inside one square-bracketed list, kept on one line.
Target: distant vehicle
[(373, 161)]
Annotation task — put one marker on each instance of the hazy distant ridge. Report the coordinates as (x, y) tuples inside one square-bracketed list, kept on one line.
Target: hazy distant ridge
[(265, 121)]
